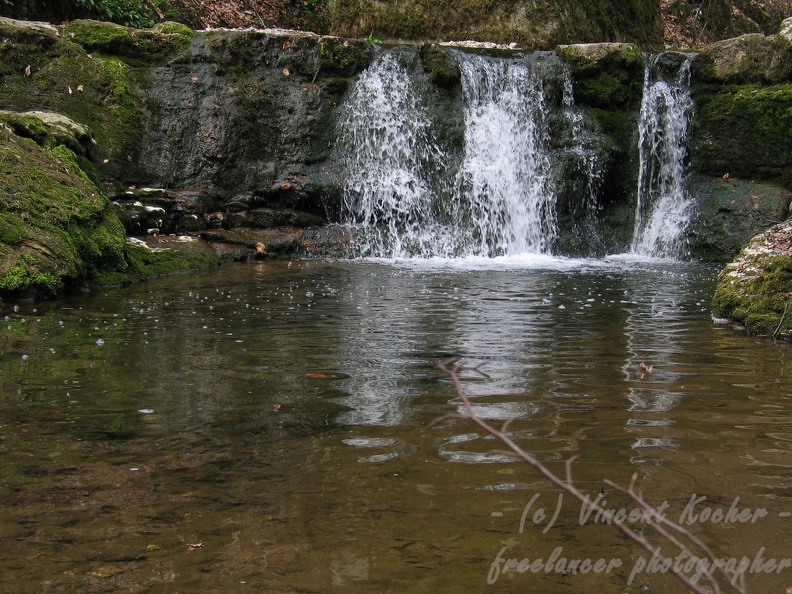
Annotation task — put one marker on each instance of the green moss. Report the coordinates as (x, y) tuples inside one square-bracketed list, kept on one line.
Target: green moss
[(532, 25), (744, 130), (92, 91), (343, 57), (609, 76), (26, 276), (143, 263), (759, 300), (136, 46)]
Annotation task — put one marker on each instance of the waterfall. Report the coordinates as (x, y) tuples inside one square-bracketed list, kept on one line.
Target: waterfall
[(388, 157), (504, 185), (663, 209), (402, 198)]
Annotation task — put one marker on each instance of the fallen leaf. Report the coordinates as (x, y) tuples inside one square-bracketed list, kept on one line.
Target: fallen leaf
[(152, 547), (725, 176), (285, 186), (70, 91), (276, 407), (80, 88), (261, 248), (286, 72), (286, 44), (645, 370), (27, 70), (194, 78), (316, 375)]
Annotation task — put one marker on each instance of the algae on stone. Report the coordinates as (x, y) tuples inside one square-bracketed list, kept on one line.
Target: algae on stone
[(755, 290), (744, 131)]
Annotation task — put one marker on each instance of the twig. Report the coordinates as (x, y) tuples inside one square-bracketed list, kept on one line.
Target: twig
[(660, 523), (783, 315)]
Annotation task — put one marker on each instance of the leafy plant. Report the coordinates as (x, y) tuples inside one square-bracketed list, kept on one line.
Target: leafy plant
[(310, 15), (131, 13), (372, 39)]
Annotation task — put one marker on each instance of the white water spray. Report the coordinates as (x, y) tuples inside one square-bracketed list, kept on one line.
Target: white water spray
[(399, 198), (663, 209), (388, 158), (504, 186)]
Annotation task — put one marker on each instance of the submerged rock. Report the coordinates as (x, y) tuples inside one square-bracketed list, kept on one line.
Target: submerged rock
[(755, 290)]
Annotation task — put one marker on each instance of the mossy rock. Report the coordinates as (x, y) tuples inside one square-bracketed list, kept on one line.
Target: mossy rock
[(538, 24), (751, 58), (729, 212), (443, 69), (56, 227), (164, 257), (344, 57), (58, 231), (606, 75), (755, 290), (745, 131), (48, 129), (90, 90), (137, 46)]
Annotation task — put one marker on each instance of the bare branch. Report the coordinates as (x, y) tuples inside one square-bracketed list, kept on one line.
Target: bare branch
[(670, 531)]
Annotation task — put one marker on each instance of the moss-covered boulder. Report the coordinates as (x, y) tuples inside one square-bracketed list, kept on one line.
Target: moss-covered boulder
[(146, 46), (751, 58), (743, 130), (755, 290), (58, 230), (41, 70), (56, 227), (538, 24), (607, 75), (49, 129)]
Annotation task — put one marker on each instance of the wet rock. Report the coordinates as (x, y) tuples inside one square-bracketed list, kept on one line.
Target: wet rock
[(442, 67), (729, 212), (607, 75), (755, 290)]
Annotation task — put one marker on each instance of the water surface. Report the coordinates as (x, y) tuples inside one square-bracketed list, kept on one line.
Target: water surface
[(278, 414)]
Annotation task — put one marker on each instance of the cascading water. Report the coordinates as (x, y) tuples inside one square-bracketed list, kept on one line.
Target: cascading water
[(504, 186), (663, 209), (399, 197), (493, 186), (389, 157)]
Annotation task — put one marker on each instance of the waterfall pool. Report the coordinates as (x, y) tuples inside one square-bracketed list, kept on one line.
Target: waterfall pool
[(266, 428)]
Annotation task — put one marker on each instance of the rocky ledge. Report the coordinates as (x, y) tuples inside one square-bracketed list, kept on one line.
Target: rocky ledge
[(755, 290)]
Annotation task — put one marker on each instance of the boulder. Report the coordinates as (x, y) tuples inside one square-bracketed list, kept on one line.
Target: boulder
[(755, 290)]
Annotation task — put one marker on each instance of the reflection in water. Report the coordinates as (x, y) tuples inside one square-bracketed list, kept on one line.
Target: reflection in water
[(279, 414)]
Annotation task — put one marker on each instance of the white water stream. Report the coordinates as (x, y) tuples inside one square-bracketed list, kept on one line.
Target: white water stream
[(405, 197), (663, 208)]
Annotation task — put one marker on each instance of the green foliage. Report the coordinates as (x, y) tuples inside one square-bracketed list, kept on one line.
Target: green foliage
[(131, 13), (309, 15)]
